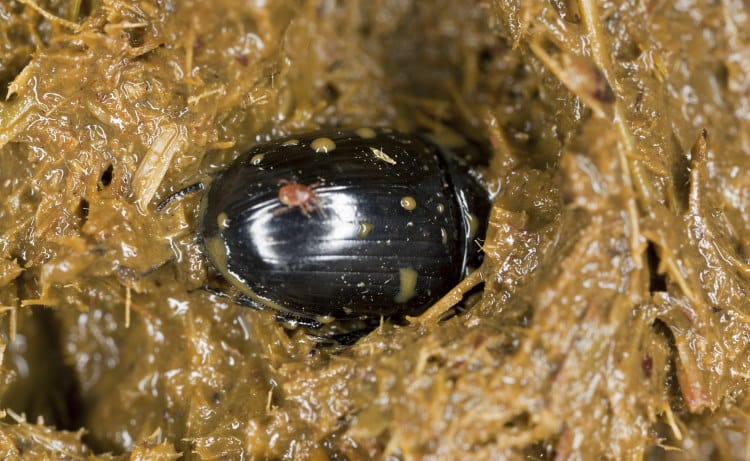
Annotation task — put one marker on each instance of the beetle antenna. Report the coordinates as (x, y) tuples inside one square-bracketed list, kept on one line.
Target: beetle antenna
[(179, 194)]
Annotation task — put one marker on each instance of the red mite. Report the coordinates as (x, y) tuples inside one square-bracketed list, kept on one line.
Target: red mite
[(294, 195)]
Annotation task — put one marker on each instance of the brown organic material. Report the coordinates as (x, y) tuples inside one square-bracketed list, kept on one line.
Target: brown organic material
[(614, 321)]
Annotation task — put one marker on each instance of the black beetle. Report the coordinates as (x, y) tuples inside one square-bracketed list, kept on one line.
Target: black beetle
[(344, 225)]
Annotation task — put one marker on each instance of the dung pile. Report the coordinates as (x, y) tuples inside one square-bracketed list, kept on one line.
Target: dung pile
[(614, 321)]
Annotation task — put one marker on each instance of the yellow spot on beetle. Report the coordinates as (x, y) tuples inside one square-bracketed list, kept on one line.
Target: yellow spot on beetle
[(366, 133), (364, 229), (408, 203), (323, 145), (290, 142), (256, 159), (324, 319), (473, 225), (222, 221), (407, 290)]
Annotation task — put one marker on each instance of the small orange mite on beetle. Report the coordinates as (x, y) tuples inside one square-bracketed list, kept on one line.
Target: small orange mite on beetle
[(294, 195)]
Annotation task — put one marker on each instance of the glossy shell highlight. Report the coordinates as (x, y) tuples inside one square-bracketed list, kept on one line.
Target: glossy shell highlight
[(389, 232)]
